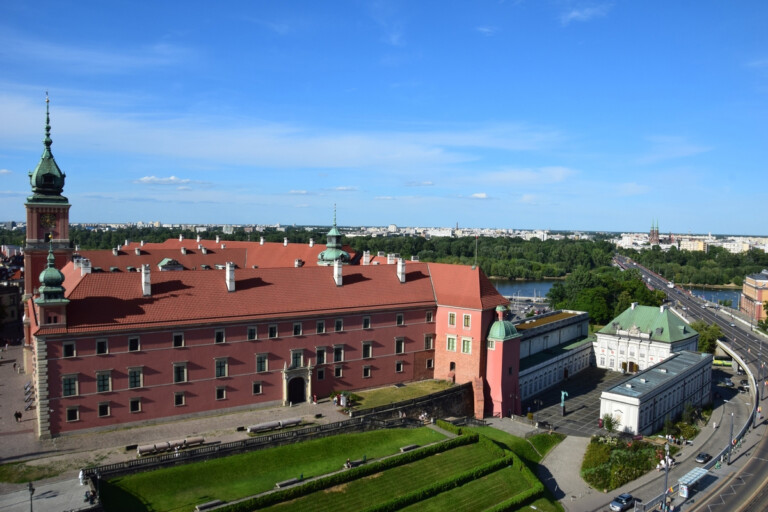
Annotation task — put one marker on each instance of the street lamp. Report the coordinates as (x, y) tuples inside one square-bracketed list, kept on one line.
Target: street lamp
[(666, 474), (31, 492), (730, 442)]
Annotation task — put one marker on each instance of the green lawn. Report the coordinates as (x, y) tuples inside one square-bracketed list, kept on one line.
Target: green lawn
[(392, 394), (520, 446), (238, 476), (479, 494), (380, 487)]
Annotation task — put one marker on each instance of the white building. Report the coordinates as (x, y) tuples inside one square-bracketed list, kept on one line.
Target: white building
[(640, 337), (641, 404)]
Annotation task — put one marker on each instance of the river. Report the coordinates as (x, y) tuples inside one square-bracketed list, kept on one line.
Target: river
[(540, 288)]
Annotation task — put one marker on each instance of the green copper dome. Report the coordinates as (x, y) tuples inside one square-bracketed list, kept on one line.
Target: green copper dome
[(51, 280), (503, 330), (47, 180), (333, 250)]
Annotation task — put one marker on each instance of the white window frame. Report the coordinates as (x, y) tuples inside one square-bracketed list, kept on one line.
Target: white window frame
[(466, 345), (450, 343), (106, 346)]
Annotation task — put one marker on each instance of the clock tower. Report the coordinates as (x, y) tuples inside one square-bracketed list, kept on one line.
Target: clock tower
[(47, 216)]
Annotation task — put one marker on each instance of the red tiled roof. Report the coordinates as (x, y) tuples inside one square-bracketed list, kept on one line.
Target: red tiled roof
[(464, 286), (114, 301), (244, 254)]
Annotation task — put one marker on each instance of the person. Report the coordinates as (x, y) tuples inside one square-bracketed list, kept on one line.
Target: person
[(14, 367), (81, 476), (348, 464)]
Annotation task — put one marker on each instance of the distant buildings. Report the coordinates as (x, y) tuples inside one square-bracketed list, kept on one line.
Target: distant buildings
[(754, 295)]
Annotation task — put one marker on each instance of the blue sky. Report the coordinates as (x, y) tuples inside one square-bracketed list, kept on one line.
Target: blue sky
[(550, 114)]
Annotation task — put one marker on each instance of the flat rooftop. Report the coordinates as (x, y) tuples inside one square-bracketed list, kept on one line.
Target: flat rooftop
[(657, 375), (551, 353), (538, 322)]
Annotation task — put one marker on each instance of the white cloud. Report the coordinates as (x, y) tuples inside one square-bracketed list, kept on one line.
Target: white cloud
[(5, 171), (670, 147), (529, 199), (581, 14), (298, 192), (487, 31), (154, 180), (419, 184), (384, 198), (345, 189), (479, 195), (632, 189), (537, 176)]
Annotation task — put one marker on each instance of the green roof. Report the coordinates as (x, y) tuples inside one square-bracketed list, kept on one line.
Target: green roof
[(502, 330), (660, 323), (47, 180)]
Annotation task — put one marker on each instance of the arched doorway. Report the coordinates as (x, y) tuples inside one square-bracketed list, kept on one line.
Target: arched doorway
[(297, 390)]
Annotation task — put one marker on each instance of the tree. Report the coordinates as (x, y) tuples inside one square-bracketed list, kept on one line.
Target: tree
[(708, 335), (609, 423)]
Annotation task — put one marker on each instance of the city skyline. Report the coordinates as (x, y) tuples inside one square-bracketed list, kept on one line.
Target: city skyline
[(561, 115)]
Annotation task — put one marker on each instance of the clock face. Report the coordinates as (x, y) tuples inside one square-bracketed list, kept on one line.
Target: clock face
[(48, 220)]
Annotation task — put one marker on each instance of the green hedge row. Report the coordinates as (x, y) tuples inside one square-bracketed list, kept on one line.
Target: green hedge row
[(535, 490), (442, 486), (266, 500), (450, 427)]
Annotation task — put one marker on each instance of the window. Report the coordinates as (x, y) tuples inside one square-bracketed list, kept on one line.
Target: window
[(451, 344), (320, 327), (178, 339), (69, 385), (73, 414), (429, 317), (337, 372), (320, 352), (261, 363), (103, 381), (104, 409), (366, 322), (221, 393), (257, 388), (466, 346), (134, 405), (366, 372), (219, 336), (68, 349), (178, 399), (367, 350), (338, 325), (491, 345), (251, 333), (135, 377), (467, 321), (101, 347), (321, 374), (297, 358), (273, 331), (399, 366), (399, 345), (400, 319), (451, 319), (134, 344), (429, 342), (222, 367), (338, 353), (602, 361), (430, 363), (179, 372), (297, 329)]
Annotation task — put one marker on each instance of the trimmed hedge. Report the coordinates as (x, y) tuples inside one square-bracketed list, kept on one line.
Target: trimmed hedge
[(535, 491), (442, 486), (265, 500)]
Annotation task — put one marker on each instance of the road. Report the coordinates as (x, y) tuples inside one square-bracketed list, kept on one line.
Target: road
[(746, 490)]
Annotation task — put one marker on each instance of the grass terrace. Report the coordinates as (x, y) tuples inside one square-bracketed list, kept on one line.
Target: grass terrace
[(392, 394)]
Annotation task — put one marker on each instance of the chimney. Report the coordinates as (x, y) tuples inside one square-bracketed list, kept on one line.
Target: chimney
[(218, 239), (366, 257), (298, 262), (146, 284), (77, 247), (181, 238), (390, 258), (634, 304), (85, 266), (285, 242), (199, 246), (500, 311), (223, 246), (142, 243), (137, 251), (311, 242), (663, 308), (230, 276), (337, 272), (127, 242), (261, 241), (183, 250), (205, 251), (198, 238), (114, 252), (401, 269)]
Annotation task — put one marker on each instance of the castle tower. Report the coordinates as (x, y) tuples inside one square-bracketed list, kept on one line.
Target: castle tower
[(333, 249), (47, 216)]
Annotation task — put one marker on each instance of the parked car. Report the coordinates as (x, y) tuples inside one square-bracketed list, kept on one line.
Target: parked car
[(622, 502), (743, 382), (732, 324), (728, 382), (703, 458)]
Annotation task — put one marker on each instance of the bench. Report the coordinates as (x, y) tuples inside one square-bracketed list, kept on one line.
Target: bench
[(408, 448), (208, 505), (353, 464), (286, 483)]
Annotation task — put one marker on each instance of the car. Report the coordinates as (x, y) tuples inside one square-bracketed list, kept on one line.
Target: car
[(622, 502), (703, 458), (743, 382), (728, 382), (732, 324)]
